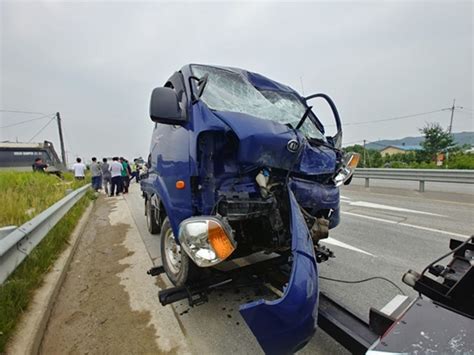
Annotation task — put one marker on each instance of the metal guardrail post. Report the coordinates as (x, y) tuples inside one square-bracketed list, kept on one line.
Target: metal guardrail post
[(422, 186), (366, 182), (17, 245)]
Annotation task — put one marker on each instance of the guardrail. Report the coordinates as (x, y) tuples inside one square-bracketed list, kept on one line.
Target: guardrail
[(420, 175), (18, 244)]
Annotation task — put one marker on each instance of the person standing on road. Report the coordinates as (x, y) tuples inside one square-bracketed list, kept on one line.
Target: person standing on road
[(116, 176), (96, 174), (106, 177), (125, 175), (79, 169), (134, 170)]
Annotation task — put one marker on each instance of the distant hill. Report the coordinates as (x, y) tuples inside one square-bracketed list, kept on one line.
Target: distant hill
[(460, 139)]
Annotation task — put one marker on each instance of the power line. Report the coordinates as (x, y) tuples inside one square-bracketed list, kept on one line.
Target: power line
[(27, 112), (41, 130), (396, 118), (26, 121)]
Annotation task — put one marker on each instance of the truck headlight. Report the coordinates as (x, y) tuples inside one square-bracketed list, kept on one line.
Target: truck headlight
[(207, 240), (349, 163)]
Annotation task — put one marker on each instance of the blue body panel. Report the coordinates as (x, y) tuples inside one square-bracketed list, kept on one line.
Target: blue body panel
[(315, 196), (261, 142), (284, 325), (170, 162)]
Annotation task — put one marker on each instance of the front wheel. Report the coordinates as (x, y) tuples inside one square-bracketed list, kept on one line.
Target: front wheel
[(151, 217), (178, 266)]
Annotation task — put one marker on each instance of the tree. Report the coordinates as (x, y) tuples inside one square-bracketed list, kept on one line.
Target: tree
[(373, 158), (436, 140)]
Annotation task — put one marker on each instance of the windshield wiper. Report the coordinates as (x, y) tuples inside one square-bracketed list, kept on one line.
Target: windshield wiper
[(315, 121), (320, 142), (305, 115)]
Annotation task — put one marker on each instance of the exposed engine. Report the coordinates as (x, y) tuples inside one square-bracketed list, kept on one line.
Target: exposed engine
[(254, 199)]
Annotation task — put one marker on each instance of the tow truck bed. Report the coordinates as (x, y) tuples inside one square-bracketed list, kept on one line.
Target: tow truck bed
[(428, 328)]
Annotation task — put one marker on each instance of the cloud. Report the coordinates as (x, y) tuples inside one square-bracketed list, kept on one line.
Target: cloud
[(97, 62)]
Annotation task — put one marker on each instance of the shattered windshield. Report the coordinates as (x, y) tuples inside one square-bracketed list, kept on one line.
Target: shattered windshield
[(229, 91)]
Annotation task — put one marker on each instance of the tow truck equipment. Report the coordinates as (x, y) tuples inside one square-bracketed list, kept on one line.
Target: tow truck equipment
[(443, 323)]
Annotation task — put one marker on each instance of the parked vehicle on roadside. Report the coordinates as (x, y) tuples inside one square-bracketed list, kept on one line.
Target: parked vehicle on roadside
[(240, 164)]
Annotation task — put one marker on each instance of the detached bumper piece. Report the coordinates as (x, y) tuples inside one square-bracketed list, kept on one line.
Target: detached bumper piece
[(285, 325)]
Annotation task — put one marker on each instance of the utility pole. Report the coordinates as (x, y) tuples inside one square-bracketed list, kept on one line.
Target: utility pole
[(452, 116), (61, 140), (364, 155), (451, 126)]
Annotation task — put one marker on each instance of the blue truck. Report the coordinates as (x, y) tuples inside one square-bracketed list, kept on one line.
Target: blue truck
[(240, 166)]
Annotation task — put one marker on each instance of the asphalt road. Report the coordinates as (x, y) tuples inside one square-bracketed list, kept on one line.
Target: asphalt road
[(384, 231)]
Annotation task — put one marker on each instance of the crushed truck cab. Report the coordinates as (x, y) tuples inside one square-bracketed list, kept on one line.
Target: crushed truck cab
[(240, 164)]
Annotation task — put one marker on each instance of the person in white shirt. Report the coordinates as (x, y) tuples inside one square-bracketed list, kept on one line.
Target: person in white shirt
[(79, 169), (116, 174)]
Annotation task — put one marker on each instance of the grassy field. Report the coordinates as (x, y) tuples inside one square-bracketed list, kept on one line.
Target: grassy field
[(23, 195), (19, 193)]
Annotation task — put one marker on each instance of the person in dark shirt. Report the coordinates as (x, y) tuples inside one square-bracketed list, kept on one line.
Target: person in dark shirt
[(106, 177), (39, 165), (125, 175)]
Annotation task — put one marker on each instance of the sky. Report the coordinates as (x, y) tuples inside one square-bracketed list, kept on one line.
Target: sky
[(97, 62)]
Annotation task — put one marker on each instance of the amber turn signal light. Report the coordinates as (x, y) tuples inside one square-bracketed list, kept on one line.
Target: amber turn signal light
[(219, 240), (353, 161), (180, 184)]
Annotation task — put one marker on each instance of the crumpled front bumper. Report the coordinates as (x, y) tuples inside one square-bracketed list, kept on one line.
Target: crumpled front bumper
[(287, 324)]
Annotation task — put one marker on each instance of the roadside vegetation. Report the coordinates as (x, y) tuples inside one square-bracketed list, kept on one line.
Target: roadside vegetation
[(436, 142), (26, 194), (18, 193)]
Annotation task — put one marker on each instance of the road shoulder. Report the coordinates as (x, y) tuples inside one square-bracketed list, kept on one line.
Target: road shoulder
[(107, 303)]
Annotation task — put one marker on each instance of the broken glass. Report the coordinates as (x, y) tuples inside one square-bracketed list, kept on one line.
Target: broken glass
[(230, 91)]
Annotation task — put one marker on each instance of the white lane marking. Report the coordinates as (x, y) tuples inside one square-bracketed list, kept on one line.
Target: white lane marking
[(338, 243), (391, 208), (345, 198), (407, 225)]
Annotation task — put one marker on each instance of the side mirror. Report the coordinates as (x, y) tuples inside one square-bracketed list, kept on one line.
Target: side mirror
[(164, 107)]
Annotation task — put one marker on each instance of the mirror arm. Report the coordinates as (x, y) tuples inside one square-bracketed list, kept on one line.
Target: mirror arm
[(202, 84), (305, 116), (193, 97), (333, 108)]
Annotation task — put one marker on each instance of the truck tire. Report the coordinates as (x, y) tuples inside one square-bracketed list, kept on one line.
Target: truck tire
[(179, 268), (151, 220)]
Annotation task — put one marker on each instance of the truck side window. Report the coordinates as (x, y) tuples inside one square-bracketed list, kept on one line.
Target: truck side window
[(176, 82)]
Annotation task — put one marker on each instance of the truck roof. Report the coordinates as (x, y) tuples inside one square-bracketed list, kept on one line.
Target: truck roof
[(258, 80)]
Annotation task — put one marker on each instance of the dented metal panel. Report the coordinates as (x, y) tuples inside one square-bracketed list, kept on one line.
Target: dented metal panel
[(284, 325)]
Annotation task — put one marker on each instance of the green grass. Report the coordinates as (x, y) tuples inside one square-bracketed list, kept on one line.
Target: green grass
[(18, 289), (23, 195)]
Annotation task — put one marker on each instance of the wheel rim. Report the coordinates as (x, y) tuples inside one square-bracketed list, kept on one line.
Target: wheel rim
[(173, 252)]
